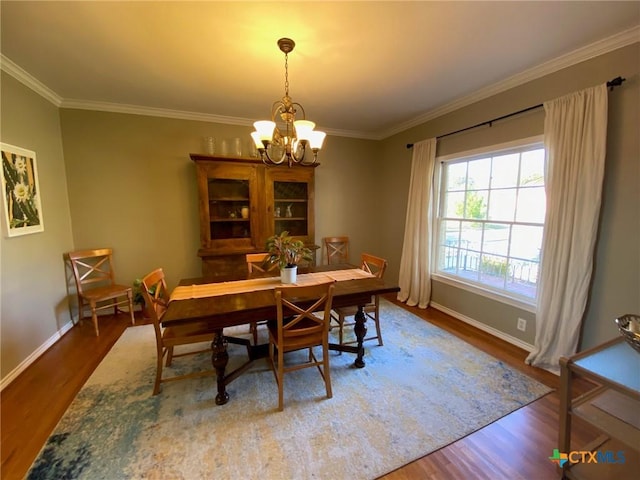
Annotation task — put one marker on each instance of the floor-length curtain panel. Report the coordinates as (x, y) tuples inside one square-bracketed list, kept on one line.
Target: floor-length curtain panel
[(575, 135), (415, 264)]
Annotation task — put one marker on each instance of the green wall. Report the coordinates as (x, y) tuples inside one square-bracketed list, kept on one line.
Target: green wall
[(32, 277)]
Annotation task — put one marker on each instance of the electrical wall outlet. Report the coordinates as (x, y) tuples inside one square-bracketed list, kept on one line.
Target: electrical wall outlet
[(522, 324)]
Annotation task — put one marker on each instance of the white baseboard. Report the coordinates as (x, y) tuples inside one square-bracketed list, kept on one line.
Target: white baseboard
[(484, 327), (34, 356)]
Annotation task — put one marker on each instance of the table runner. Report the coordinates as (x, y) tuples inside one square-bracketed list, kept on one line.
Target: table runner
[(186, 292)]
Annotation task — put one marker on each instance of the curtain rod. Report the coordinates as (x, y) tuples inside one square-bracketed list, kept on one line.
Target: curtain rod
[(616, 82)]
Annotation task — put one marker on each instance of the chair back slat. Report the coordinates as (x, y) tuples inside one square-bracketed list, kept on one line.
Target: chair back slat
[(154, 289), (374, 265), (256, 262), (297, 304), (336, 250), (92, 267)]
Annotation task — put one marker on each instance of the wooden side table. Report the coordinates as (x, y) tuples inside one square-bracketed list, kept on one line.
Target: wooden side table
[(612, 407)]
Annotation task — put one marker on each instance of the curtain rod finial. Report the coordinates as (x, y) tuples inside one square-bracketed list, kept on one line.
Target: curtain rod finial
[(616, 82)]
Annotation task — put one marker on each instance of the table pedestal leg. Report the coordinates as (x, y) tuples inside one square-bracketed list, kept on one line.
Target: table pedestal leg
[(219, 359), (360, 330)]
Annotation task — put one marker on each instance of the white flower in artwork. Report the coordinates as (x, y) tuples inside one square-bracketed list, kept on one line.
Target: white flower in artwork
[(21, 165), (21, 192)]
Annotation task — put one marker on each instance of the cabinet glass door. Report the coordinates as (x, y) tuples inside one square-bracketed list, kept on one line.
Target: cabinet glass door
[(229, 209), (291, 208)]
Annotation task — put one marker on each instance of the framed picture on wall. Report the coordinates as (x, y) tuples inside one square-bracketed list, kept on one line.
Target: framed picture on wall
[(20, 191)]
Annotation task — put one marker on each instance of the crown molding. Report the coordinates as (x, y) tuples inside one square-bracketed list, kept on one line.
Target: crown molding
[(352, 134), (619, 40), (29, 80), (152, 112), (601, 47), (184, 115)]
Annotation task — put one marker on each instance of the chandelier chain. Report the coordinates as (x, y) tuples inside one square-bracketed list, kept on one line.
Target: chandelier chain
[(286, 74)]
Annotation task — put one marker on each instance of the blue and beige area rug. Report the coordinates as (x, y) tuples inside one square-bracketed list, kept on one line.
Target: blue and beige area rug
[(420, 391)]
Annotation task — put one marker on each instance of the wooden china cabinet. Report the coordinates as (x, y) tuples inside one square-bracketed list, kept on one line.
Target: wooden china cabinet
[(242, 202)]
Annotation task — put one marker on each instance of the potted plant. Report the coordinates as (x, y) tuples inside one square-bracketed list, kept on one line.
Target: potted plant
[(138, 297), (287, 252)]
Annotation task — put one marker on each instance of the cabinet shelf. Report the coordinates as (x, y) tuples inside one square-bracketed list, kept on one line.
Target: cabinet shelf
[(230, 219)]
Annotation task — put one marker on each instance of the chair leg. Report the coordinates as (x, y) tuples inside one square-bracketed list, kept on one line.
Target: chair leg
[(253, 328), (340, 329), (80, 310), (130, 298), (169, 356), (94, 318), (271, 351), (376, 319), (327, 370), (156, 386), (280, 380), (377, 322)]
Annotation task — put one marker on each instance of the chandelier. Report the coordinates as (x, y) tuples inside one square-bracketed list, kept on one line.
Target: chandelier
[(289, 140)]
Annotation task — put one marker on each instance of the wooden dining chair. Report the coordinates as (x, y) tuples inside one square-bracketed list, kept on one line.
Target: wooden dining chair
[(256, 262), (156, 296), (95, 284), (376, 266), (296, 328), (336, 250)]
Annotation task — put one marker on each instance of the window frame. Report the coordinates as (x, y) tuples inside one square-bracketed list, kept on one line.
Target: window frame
[(503, 296)]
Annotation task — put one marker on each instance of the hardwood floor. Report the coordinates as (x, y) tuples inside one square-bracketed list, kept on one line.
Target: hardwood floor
[(514, 447), (32, 405)]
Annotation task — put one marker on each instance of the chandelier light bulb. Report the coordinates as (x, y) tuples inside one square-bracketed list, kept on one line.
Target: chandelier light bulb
[(265, 129), (255, 136), (303, 129), (317, 139)]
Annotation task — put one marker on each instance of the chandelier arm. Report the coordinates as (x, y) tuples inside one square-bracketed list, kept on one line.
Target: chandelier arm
[(302, 160), (307, 163), (266, 158), (283, 157), (304, 115), (313, 162), (293, 155)]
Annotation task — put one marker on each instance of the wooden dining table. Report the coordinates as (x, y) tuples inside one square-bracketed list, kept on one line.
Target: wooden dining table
[(230, 305)]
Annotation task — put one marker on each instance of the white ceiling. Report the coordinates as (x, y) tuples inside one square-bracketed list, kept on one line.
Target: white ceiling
[(362, 69)]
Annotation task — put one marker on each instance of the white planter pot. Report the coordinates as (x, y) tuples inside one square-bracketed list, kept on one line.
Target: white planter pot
[(288, 274)]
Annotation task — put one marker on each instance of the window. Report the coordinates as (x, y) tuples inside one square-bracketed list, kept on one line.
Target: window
[(491, 218)]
